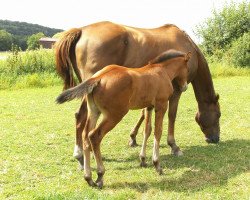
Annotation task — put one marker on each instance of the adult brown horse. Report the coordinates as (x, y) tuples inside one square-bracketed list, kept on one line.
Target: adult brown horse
[(87, 50), (115, 90)]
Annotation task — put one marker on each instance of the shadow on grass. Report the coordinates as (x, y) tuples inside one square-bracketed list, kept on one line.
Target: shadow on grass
[(200, 167)]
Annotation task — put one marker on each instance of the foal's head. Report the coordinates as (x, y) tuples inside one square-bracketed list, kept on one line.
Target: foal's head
[(177, 61), (182, 74)]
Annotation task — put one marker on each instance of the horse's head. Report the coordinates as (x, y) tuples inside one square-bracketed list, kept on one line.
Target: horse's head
[(208, 119), (182, 77)]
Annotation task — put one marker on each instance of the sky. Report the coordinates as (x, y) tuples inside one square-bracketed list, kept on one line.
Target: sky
[(186, 14)]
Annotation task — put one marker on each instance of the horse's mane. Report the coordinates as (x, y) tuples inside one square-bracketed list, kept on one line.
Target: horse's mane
[(166, 56)]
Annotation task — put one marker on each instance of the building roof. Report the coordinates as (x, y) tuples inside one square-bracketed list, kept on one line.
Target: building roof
[(48, 39)]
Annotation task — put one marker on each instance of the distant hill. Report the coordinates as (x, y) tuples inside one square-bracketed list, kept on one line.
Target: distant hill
[(26, 29), (22, 30)]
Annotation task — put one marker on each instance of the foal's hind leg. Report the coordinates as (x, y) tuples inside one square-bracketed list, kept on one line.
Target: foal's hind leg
[(81, 117), (147, 132), (133, 134), (173, 105), (95, 138), (90, 125)]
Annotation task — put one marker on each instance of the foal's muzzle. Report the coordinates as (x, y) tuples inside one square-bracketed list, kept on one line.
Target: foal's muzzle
[(184, 88)]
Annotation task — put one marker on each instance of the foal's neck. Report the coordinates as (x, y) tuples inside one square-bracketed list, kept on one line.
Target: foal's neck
[(173, 70)]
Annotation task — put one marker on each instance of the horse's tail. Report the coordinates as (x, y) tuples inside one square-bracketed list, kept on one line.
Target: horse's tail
[(79, 91), (65, 56)]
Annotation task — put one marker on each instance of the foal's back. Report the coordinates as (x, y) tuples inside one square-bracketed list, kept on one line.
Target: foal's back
[(127, 88)]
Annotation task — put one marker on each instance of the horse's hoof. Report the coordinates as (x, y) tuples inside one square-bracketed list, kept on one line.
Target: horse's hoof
[(81, 163), (177, 152), (99, 184), (81, 167), (132, 143)]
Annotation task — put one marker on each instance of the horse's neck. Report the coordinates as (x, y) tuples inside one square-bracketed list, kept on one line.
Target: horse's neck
[(203, 84)]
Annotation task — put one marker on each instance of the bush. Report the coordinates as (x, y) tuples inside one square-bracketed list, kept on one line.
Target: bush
[(239, 52), (225, 26)]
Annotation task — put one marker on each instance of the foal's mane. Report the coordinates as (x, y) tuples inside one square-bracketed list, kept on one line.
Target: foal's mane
[(167, 55)]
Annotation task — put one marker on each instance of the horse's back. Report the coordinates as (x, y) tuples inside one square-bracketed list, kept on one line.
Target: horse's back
[(106, 43)]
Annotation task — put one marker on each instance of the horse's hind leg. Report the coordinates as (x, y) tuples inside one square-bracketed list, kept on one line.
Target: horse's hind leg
[(132, 141), (81, 117), (147, 132), (173, 105)]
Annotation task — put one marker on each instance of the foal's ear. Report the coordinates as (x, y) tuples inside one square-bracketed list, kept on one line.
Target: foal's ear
[(188, 56)]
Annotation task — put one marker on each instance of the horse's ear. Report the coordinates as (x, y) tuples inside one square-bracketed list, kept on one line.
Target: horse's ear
[(188, 56)]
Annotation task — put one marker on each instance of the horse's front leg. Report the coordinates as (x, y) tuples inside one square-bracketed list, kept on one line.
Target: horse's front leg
[(173, 105), (160, 110), (133, 134), (81, 117)]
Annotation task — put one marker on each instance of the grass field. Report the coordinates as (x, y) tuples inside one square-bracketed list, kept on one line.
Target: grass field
[(37, 138)]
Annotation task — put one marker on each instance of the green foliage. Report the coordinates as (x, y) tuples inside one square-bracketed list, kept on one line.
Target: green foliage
[(239, 52), (33, 41), (26, 29), (37, 139), (21, 31), (225, 26), (6, 40), (57, 35)]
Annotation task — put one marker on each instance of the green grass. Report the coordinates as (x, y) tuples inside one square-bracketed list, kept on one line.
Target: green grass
[(37, 139)]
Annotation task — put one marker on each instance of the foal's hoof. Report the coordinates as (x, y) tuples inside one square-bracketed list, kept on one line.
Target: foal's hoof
[(143, 164), (132, 143), (177, 152), (90, 181), (160, 171)]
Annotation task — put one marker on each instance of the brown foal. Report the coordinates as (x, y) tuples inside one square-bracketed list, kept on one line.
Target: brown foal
[(115, 90)]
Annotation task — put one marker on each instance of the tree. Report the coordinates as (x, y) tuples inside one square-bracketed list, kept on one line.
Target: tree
[(239, 52), (6, 40), (225, 26), (33, 41)]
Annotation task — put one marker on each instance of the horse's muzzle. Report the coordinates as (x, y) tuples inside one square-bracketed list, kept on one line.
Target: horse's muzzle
[(213, 139)]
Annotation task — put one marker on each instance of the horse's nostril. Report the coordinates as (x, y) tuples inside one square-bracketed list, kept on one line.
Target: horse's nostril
[(213, 139)]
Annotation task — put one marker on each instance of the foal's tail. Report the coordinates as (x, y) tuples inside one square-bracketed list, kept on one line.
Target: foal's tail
[(79, 91)]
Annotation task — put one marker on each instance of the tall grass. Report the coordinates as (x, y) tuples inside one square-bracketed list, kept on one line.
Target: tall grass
[(36, 68), (221, 69)]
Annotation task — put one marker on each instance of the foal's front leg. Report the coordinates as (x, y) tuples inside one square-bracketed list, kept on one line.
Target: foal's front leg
[(160, 110), (147, 132), (134, 132), (173, 105)]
